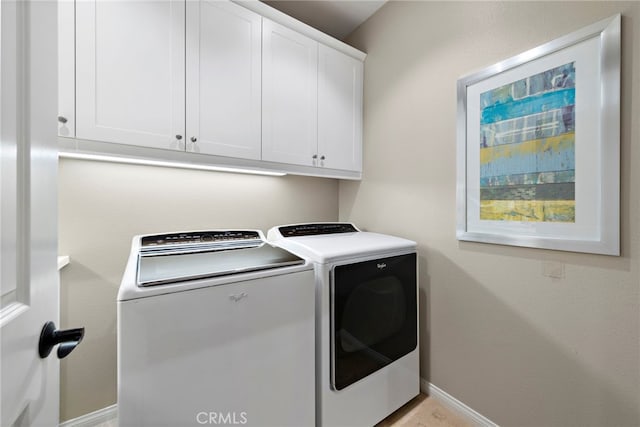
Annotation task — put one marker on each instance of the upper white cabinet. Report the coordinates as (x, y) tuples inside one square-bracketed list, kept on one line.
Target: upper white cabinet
[(130, 70), (290, 95), (339, 110), (312, 102), (213, 82), (131, 76), (224, 62)]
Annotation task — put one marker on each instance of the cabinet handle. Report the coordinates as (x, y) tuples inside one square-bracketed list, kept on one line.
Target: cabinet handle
[(322, 157), (194, 139), (62, 119), (178, 137), (315, 156)]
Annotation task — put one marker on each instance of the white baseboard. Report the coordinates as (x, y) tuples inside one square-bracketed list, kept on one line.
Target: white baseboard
[(474, 417), (94, 418)]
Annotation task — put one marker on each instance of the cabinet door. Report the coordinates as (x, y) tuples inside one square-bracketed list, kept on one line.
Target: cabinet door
[(130, 72), (223, 79), (339, 110), (66, 69), (290, 103)]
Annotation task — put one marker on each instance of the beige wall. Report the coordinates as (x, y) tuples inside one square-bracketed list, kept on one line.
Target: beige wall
[(520, 347), (102, 206)]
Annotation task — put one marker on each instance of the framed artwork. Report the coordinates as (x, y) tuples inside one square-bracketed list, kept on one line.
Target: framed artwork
[(538, 162)]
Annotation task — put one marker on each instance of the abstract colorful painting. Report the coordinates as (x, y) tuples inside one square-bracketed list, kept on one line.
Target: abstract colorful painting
[(538, 146), (527, 148)]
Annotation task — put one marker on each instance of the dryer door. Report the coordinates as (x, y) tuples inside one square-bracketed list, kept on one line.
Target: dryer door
[(374, 316)]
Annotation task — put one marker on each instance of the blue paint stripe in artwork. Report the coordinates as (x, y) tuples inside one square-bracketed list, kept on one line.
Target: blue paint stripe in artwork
[(529, 178), (535, 126), (529, 105), (563, 76), (546, 161)]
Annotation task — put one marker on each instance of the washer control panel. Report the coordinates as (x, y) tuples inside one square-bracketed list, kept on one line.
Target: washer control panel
[(298, 230), (199, 237)]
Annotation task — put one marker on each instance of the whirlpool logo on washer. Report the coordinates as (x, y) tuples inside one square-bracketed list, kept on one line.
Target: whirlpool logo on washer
[(221, 418), (382, 266)]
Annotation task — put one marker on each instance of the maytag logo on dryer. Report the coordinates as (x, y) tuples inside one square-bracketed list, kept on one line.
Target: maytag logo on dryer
[(382, 266), (222, 418)]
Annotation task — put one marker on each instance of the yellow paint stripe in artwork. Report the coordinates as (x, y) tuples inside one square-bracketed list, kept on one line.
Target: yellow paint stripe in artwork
[(528, 210), (556, 144)]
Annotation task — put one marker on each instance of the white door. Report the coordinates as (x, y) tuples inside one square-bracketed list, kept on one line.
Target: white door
[(224, 55), (130, 72), (339, 110), (290, 96), (28, 220)]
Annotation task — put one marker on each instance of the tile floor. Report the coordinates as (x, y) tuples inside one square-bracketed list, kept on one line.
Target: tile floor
[(423, 411)]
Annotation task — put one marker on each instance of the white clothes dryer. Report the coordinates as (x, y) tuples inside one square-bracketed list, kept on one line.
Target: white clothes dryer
[(366, 319), (215, 328)]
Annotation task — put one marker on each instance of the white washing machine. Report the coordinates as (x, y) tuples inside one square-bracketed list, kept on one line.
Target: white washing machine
[(215, 328), (366, 320)]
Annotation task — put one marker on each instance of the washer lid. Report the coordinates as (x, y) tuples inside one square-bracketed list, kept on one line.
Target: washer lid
[(177, 257)]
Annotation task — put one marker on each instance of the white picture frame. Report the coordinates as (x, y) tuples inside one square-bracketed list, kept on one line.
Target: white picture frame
[(538, 146)]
